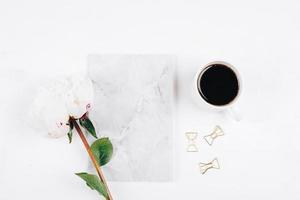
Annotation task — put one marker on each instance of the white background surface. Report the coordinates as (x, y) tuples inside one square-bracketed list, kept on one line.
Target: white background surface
[(259, 156)]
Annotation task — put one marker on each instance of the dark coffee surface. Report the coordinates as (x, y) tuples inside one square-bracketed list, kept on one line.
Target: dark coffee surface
[(218, 85)]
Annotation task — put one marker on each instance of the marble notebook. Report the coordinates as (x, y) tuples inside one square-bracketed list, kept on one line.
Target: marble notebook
[(133, 106)]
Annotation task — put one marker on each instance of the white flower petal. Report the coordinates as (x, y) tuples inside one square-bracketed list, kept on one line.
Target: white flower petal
[(80, 97), (49, 111)]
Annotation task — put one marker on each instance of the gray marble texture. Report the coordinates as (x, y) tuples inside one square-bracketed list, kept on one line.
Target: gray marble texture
[(133, 107)]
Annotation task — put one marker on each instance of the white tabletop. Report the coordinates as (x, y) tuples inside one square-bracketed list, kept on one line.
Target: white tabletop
[(259, 156)]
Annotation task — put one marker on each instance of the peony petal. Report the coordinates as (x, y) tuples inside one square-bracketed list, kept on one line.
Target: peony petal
[(48, 110), (80, 97)]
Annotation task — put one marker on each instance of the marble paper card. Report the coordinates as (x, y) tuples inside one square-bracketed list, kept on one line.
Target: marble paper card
[(133, 106)]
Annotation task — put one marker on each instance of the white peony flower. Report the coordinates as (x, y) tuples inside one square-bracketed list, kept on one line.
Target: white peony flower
[(57, 101)]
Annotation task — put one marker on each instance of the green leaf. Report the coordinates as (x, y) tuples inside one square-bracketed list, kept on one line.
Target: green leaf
[(70, 133), (86, 123), (93, 182), (102, 150)]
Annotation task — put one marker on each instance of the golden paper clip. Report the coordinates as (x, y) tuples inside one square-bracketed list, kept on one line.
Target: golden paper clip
[(214, 164), (216, 133), (191, 137)]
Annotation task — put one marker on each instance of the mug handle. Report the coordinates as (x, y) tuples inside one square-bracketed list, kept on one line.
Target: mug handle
[(234, 114)]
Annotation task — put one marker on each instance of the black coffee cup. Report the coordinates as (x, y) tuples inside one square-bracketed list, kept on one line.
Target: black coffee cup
[(217, 85)]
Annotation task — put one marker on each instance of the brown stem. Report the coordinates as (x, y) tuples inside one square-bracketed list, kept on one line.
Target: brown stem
[(95, 163)]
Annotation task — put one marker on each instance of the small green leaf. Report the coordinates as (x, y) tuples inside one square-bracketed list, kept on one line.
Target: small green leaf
[(86, 123), (93, 182), (70, 133), (102, 150)]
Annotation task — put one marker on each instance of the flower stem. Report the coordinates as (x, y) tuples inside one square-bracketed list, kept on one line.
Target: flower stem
[(94, 161)]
